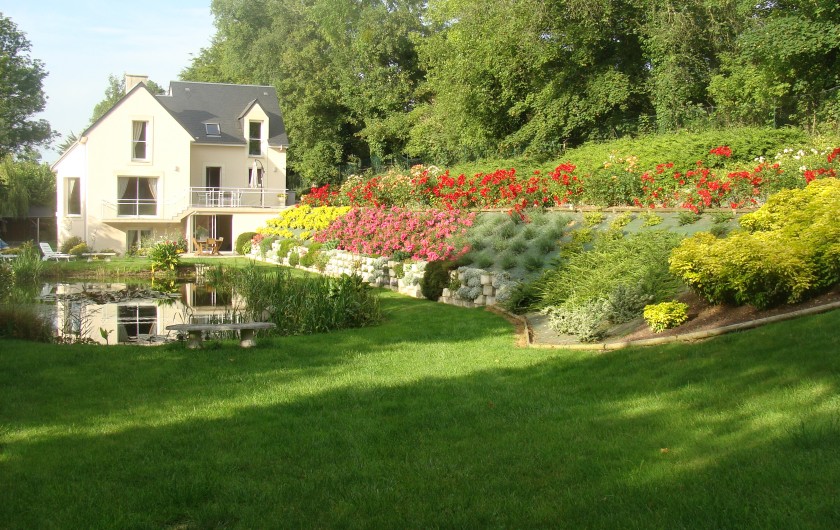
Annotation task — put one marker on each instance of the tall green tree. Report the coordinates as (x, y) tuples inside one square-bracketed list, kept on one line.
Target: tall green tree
[(345, 72), (785, 68), (24, 183), (21, 93)]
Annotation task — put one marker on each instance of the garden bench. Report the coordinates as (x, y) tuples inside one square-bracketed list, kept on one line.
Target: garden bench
[(94, 255), (7, 257), (246, 332)]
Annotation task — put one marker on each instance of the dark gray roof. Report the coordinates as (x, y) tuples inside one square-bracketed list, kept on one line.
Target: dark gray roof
[(195, 104)]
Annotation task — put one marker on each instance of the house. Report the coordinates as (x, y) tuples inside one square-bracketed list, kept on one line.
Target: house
[(202, 160)]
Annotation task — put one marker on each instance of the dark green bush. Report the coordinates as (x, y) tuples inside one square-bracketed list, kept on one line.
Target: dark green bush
[(243, 239), (69, 243), (20, 322), (435, 279)]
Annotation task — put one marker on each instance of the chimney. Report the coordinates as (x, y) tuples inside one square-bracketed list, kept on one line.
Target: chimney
[(132, 81)]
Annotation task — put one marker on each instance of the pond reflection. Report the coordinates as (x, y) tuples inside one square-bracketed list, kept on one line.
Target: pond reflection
[(122, 313)]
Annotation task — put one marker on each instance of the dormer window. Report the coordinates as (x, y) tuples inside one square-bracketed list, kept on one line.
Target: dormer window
[(213, 129), (139, 142), (255, 138)]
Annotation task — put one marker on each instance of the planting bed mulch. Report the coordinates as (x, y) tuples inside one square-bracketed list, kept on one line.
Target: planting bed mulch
[(702, 316)]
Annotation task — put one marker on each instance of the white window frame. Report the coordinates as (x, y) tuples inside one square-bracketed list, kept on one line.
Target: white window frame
[(145, 140), (68, 190), (252, 139)]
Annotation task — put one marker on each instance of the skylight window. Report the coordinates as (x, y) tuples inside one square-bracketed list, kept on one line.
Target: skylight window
[(213, 129)]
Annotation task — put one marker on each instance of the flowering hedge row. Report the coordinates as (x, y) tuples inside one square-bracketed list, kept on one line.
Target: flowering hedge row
[(710, 185), (428, 235)]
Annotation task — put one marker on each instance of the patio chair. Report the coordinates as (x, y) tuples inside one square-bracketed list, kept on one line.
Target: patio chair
[(49, 253), (217, 244), (198, 247)]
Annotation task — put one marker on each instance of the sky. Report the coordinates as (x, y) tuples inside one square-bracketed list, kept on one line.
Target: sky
[(82, 42)]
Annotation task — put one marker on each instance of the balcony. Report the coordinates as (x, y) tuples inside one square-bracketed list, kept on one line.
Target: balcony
[(237, 198)]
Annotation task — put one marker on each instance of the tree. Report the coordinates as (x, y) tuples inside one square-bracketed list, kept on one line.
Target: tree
[(24, 183), (114, 92), (21, 93)]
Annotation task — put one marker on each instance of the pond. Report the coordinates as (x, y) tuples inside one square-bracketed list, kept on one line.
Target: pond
[(132, 313)]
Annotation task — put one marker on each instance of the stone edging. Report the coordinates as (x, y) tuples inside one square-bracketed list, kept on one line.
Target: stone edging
[(687, 337)]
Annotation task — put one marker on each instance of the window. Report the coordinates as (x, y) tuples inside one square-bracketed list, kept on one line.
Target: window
[(213, 177), (255, 138), (213, 129), (139, 142), (136, 196), (73, 194), (136, 239), (134, 321)]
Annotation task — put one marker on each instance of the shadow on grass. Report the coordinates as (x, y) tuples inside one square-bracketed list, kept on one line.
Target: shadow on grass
[(737, 432)]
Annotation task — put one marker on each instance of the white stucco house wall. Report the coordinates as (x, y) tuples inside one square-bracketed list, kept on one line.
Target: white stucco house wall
[(202, 160)]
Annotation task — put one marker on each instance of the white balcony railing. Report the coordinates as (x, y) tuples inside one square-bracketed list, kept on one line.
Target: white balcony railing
[(237, 198)]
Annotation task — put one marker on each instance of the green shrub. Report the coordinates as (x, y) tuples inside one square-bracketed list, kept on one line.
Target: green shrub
[(639, 259), (266, 244), (665, 315), (651, 219), (626, 302), (28, 266), (435, 279), (22, 322), (307, 305), (500, 243), (621, 220), (530, 232), (69, 243), (687, 217), (294, 259), (518, 246), (593, 218), (7, 279), (586, 321), (789, 250), (79, 249), (509, 261), (719, 230), (508, 230), (284, 247), (484, 261), (308, 259), (165, 255), (243, 242), (720, 218), (533, 262)]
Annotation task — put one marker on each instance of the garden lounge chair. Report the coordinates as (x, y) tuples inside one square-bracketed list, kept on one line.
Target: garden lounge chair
[(49, 253)]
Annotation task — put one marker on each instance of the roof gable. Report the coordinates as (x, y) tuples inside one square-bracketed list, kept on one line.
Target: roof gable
[(194, 105)]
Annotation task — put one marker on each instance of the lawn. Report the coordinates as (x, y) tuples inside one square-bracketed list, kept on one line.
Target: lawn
[(433, 419)]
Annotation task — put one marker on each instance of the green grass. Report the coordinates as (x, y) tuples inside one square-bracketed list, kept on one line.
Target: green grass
[(444, 424)]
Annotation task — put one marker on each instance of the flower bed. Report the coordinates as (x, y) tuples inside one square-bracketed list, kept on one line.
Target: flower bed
[(619, 183), (428, 235)]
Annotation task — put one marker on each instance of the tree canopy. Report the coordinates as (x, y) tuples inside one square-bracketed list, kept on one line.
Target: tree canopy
[(452, 80), (21, 93)]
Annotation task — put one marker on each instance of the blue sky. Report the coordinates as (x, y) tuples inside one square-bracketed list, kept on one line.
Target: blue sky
[(82, 42)]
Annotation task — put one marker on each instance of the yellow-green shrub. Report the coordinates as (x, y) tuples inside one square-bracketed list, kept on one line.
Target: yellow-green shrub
[(303, 217), (789, 250), (665, 315)]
